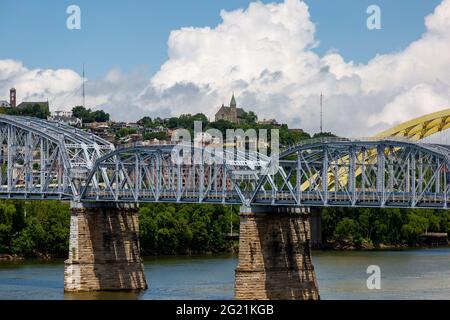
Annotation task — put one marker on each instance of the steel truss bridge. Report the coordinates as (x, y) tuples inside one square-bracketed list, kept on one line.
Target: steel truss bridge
[(45, 160)]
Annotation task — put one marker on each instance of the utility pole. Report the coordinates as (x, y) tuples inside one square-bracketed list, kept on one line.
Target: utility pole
[(321, 112)]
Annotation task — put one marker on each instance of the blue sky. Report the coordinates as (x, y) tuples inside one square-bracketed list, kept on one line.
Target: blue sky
[(263, 54), (133, 34)]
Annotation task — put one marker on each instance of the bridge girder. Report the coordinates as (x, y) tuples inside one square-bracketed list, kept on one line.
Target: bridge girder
[(45, 160), (403, 174), (367, 172), (150, 174)]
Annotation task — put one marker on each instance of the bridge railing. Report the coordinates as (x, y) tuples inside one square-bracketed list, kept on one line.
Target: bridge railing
[(324, 140)]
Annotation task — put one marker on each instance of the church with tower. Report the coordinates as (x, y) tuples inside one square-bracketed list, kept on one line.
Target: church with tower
[(231, 113)]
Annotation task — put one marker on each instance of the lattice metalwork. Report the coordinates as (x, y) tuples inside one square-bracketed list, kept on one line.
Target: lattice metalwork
[(413, 130), (149, 174), (401, 174), (40, 159), (378, 173), (45, 160)]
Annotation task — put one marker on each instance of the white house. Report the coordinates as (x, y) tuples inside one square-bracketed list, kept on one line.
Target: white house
[(4, 104), (65, 117)]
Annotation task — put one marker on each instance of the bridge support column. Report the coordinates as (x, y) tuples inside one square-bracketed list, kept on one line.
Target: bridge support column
[(274, 255), (316, 229), (104, 251)]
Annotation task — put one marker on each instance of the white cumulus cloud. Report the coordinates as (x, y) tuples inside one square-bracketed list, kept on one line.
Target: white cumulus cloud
[(37, 84)]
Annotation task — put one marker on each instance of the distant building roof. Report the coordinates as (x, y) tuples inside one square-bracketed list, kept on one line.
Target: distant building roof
[(297, 130), (223, 109), (32, 103), (4, 104), (70, 120), (62, 113), (273, 122)]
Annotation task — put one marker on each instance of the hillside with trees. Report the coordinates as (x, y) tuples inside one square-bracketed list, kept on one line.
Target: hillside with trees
[(186, 121)]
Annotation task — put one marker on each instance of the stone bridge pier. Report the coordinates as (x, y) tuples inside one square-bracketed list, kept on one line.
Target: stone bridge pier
[(275, 255), (104, 251)]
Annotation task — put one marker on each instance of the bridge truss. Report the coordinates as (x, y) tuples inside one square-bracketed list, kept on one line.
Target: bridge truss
[(44, 160), (379, 173), (158, 174)]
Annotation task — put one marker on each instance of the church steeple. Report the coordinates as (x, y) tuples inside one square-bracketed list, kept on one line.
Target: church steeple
[(233, 102)]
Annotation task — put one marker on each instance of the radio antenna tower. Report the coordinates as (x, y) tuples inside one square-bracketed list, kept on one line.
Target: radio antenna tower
[(321, 112), (84, 96)]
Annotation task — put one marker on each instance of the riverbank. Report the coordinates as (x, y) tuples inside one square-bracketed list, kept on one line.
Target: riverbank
[(19, 257), (366, 246), (234, 250), (11, 257), (406, 274)]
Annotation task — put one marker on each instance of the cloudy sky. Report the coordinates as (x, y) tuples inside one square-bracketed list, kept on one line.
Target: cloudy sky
[(188, 56)]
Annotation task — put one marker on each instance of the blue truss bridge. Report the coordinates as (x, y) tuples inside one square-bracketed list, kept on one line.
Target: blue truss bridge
[(45, 160)]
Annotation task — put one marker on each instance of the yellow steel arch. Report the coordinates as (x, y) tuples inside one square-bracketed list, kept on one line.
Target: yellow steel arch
[(415, 129), (420, 127)]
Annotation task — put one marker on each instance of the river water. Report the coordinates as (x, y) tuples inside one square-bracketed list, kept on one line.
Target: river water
[(408, 274)]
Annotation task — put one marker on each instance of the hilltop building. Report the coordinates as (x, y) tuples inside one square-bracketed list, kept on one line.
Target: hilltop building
[(231, 113), (272, 122), (65, 117), (43, 104), (12, 100), (4, 104)]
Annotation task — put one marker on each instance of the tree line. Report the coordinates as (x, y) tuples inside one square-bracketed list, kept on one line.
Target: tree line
[(36, 110), (41, 228), (374, 227)]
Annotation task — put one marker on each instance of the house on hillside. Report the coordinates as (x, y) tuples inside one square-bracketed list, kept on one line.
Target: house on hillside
[(4, 104), (65, 117)]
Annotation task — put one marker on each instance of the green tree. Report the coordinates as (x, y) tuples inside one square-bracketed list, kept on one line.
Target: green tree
[(46, 229), (155, 135), (323, 135), (147, 122), (89, 116), (415, 226), (249, 118), (347, 229), (7, 226)]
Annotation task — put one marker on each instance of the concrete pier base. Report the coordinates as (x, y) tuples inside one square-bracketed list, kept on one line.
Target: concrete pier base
[(274, 255), (104, 252), (316, 229)]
